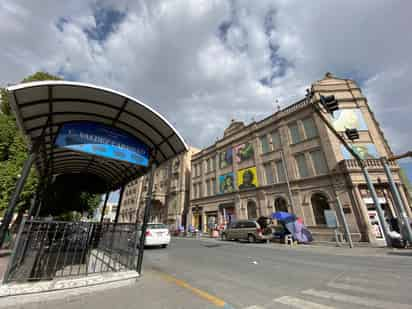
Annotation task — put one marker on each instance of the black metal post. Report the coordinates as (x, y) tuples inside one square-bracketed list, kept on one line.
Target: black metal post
[(104, 206), (8, 216), (119, 203), (36, 200), (145, 219)]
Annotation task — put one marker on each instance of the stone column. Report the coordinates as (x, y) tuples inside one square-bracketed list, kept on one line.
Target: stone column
[(364, 213)]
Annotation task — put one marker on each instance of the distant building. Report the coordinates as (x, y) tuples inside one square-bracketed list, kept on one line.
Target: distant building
[(110, 212), (290, 161), (170, 193)]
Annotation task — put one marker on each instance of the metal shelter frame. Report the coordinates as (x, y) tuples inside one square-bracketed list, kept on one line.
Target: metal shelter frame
[(41, 108)]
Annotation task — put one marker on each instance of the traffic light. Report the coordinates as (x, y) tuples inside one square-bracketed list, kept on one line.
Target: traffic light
[(352, 134), (329, 103)]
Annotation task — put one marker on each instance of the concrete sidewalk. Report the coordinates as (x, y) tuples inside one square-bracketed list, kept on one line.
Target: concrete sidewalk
[(150, 291), (4, 260)]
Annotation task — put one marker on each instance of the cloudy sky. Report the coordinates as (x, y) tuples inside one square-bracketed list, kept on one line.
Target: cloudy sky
[(203, 62)]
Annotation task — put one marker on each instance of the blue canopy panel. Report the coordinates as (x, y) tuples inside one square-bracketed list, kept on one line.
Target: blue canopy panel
[(79, 128)]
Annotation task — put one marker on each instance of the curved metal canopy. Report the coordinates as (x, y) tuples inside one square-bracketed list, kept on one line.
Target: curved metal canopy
[(41, 108)]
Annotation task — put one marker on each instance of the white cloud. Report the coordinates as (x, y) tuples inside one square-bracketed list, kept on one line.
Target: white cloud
[(177, 57)]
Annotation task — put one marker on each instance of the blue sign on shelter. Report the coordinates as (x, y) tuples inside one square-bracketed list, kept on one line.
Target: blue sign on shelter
[(104, 141)]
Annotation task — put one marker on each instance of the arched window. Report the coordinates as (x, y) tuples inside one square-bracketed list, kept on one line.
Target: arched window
[(319, 205), (281, 204), (251, 210)]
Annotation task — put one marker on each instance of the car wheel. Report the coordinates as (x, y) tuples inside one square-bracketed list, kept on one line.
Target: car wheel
[(251, 238), (164, 246), (224, 237)]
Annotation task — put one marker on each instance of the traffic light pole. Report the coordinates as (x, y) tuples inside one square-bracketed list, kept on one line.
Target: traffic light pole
[(406, 228), (362, 166), (345, 223)]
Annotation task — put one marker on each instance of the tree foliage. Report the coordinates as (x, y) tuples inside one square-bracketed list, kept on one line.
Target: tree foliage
[(14, 151)]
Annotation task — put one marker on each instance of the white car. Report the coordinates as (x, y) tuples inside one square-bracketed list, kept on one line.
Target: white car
[(157, 234)]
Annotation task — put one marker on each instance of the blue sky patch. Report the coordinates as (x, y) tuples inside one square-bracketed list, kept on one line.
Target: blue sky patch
[(61, 22), (106, 21)]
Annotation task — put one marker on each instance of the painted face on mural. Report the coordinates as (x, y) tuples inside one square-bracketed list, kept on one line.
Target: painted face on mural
[(247, 180), (244, 152), (226, 158), (228, 184)]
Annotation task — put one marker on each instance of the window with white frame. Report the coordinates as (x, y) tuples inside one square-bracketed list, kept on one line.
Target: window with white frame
[(194, 194), (213, 186), (303, 170), (200, 190), (294, 133), (276, 141), (280, 171), (264, 143), (268, 173), (319, 162), (309, 127)]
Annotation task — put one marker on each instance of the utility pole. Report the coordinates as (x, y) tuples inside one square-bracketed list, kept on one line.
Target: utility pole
[(331, 104)]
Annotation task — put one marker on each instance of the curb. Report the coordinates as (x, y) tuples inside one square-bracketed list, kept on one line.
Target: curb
[(361, 251), (16, 289)]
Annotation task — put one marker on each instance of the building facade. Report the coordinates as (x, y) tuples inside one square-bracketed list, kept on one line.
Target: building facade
[(109, 214), (292, 162), (171, 187)]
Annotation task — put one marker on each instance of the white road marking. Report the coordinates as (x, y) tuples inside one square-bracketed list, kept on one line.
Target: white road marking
[(254, 307), (300, 303), (362, 301), (351, 287), (363, 281)]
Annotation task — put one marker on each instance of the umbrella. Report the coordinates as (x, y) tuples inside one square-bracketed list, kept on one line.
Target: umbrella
[(283, 216)]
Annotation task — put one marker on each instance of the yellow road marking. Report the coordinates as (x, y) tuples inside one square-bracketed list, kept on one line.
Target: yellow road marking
[(213, 299)]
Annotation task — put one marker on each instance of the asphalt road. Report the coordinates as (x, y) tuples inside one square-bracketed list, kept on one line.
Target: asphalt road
[(247, 275), (195, 273)]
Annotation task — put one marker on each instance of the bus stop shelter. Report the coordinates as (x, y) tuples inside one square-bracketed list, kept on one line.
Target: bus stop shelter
[(83, 130)]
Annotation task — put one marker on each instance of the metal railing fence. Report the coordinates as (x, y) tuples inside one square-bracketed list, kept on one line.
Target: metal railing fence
[(49, 249)]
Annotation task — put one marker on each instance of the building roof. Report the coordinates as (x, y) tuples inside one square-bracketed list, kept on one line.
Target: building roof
[(41, 108)]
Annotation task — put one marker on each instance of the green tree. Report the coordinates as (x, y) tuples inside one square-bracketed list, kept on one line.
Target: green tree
[(13, 153)]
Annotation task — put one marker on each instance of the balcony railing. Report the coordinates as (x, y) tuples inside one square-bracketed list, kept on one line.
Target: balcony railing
[(295, 106), (369, 163)]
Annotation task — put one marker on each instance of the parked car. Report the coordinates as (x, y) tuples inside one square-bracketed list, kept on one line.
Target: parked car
[(249, 230), (157, 234)]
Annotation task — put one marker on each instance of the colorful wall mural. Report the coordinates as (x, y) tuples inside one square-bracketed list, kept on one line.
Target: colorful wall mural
[(227, 183), (243, 152), (247, 178), (349, 118), (365, 151), (226, 158)]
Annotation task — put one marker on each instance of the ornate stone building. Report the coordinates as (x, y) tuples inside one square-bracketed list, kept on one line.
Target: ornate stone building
[(291, 161), (170, 193)]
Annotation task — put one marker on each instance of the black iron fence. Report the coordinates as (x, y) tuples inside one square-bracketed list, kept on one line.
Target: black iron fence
[(48, 249)]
